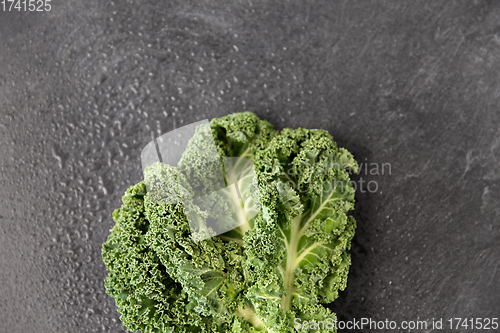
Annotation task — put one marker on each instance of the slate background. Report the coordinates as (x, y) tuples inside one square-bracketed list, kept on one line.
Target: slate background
[(84, 87)]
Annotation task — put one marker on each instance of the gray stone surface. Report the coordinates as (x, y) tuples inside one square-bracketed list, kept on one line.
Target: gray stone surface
[(415, 84)]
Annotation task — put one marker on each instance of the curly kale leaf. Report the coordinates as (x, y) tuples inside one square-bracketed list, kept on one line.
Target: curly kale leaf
[(148, 299), (296, 253), (209, 270)]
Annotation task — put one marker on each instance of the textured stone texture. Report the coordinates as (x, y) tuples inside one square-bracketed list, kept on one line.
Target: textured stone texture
[(415, 84)]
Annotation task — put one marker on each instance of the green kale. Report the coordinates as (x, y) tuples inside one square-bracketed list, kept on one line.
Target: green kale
[(147, 297), (286, 257)]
